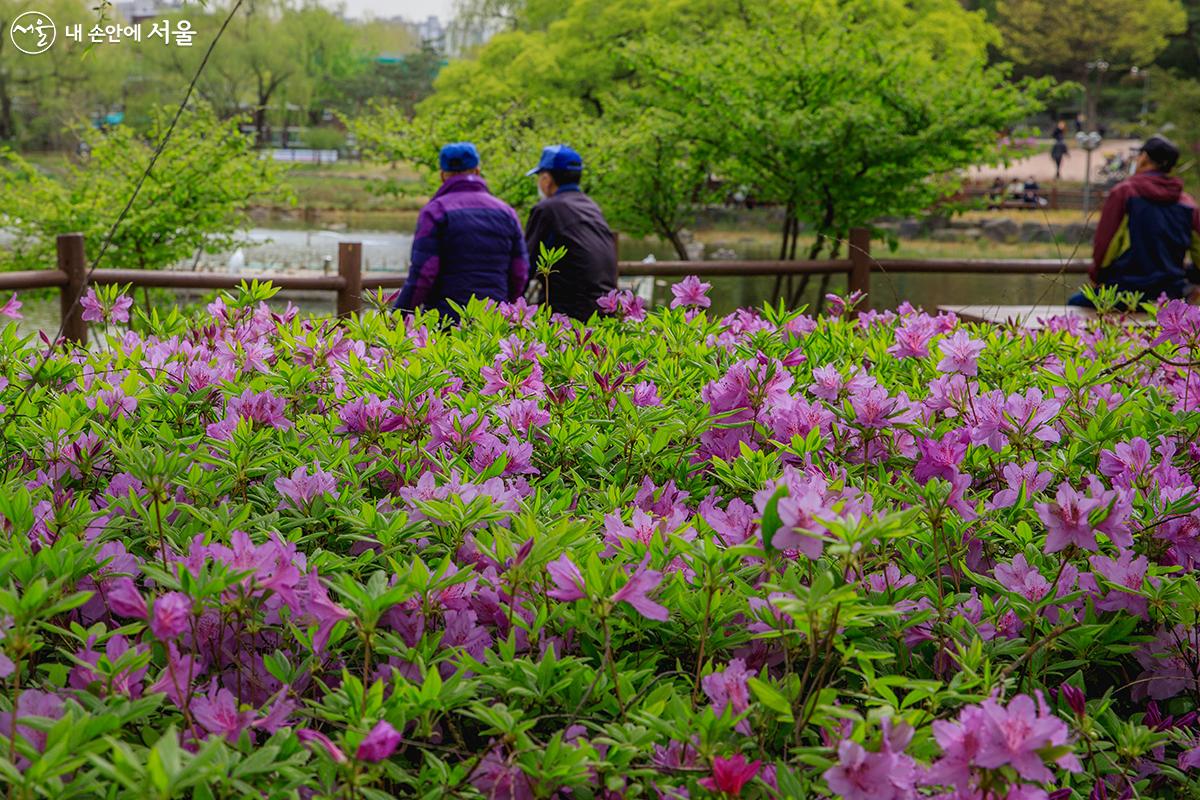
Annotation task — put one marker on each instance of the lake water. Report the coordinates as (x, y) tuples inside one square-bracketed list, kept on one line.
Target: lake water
[(293, 250)]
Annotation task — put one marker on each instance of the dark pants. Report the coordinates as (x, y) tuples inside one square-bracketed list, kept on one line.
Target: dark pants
[(1078, 299)]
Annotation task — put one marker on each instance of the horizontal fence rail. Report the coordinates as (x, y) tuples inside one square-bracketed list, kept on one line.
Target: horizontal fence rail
[(680, 269), (71, 277)]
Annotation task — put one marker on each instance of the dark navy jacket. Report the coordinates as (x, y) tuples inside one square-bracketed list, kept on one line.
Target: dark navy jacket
[(1146, 230), (468, 243), (588, 271)]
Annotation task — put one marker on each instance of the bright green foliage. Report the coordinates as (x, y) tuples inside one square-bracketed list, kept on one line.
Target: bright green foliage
[(841, 111), (194, 199), (1062, 35)]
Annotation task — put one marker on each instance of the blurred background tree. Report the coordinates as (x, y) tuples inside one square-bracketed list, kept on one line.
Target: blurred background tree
[(194, 199)]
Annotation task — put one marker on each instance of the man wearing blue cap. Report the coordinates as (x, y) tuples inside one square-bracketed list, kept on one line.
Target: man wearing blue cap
[(468, 243), (566, 217)]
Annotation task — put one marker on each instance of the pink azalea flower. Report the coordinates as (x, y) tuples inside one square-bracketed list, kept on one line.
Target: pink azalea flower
[(734, 524), (380, 743), (1167, 664), (645, 393), (636, 591), (623, 303), (940, 459), (1190, 758), (961, 741), (960, 353), (323, 611), (127, 682), (11, 308), (1066, 520), (124, 599), (691, 291), (173, 681), (568, 580), (120, 309), (913, 336), (889, 580), (875, 409), (1023, 579), (302, 489), (309, 736), (1126, 462), (92, 310), (827, 383), (218, 713), (1127, 572), (863, 775), (171, 615), (729, 775), (1020, 477), (1015, 735), (32, 703), (498, 777), (1179, 323), (729, 689)]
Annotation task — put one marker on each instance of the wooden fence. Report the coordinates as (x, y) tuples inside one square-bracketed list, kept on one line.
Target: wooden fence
[(71, 275)]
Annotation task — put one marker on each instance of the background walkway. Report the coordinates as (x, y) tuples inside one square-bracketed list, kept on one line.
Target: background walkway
[(1041, 166)]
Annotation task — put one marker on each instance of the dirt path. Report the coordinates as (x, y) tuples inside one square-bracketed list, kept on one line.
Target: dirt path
[(1041, 166)]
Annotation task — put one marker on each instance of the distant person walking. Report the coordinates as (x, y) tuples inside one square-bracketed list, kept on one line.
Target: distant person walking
[(1147, 228), (1058, 150), (566, 217), (468, 243)]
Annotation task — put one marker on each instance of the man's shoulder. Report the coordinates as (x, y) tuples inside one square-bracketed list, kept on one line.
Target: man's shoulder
[(571, 204)]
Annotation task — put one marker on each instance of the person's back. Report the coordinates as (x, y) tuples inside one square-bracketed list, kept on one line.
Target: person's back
[(566, 217), (1146, 230), (468, 243)]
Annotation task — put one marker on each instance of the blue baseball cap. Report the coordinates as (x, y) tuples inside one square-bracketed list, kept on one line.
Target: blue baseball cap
[(458, 157), (558, 156)]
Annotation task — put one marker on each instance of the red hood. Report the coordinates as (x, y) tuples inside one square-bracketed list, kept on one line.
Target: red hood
[(1157, 187)]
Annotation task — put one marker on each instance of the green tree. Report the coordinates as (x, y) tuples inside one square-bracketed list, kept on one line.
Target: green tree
[(840, 112), (565, 76), (194, 199), (1061, 37), (43, 96), (402, 81)]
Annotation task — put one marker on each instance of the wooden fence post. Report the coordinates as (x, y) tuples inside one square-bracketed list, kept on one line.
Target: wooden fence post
[(73, 262), (349, 296), (860, 265)]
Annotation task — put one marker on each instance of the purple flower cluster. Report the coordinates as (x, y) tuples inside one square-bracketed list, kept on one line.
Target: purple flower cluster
[(760, 555)]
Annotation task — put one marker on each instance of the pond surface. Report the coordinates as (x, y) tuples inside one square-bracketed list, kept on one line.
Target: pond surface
[(291, 247)]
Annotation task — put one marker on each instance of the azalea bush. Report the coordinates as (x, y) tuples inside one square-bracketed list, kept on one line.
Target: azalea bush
[(662, 555)]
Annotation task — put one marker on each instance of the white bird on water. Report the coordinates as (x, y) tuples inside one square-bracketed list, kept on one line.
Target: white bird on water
[(237, 262)]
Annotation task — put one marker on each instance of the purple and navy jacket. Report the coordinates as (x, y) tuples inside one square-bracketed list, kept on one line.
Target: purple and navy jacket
[(468, 243)]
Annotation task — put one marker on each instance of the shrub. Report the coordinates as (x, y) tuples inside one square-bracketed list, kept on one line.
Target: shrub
[(663, 554)]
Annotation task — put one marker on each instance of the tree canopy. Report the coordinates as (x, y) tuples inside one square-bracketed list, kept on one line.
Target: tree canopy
[(1061, 37), (840, 111), (194, 198)]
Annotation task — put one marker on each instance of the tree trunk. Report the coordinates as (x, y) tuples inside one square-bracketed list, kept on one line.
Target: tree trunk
[(677, 243), (8, 129), (783, 250), (260, 123)]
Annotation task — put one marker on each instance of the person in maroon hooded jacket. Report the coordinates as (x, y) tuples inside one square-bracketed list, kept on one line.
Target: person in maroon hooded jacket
[(1146, 230)]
